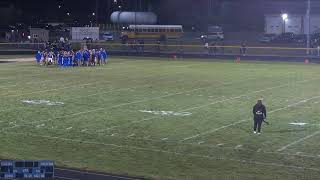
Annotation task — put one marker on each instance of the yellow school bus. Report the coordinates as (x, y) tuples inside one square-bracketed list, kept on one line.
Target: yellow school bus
[(152, 32)]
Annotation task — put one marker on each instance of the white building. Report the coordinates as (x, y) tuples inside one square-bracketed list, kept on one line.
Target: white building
[(39, 35), (79, 33), (295, 23)]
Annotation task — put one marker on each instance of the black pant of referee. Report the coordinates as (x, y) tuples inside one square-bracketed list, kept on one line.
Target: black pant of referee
[(257, 124)]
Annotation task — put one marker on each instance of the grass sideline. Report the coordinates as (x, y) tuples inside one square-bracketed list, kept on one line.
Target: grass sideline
[(101, 127)]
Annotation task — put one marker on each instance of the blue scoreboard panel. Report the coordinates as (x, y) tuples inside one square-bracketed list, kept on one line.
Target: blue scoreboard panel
[(26, 169)]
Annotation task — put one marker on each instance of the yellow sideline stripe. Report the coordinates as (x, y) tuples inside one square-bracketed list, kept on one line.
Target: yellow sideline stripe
[(202, 46), (171, 45)]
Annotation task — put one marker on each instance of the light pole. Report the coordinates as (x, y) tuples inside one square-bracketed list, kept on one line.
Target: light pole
[(284, 19), (93, 18), (96, 14), (308, 31)]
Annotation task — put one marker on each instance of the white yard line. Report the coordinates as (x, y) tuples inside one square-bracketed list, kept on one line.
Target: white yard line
[(105, 92), (244, 120), (12, 85), (207, 157), (61, 177), (40, 82), (10, 127), (34, 82), (15, 77), (130, 135), (115, 90), (47, 90), (92, 173), (212, 131), (298, 141)]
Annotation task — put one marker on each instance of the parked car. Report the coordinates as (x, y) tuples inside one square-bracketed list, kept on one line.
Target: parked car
[(315, 38), (218, 36), (266, 38), (88, 39), (107, 36), (301, 38), (285, 37)]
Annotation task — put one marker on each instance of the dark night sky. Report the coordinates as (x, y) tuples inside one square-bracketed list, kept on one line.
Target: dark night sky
[(247, 13), (48, 10)]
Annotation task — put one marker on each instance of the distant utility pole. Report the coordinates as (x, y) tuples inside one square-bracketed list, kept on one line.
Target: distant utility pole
[(308, 31), (140, 5), (97, 12), (208, 14)]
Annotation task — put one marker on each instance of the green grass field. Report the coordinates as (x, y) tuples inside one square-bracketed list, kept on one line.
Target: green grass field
[(115, 118)]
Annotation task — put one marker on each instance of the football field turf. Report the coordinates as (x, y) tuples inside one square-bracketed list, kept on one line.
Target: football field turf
[(164, 119)]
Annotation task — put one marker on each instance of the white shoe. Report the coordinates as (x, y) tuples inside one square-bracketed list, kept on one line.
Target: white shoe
[(259, 133), (254, 132)]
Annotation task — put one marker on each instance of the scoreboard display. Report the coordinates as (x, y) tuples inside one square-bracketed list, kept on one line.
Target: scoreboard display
[(26, 169)]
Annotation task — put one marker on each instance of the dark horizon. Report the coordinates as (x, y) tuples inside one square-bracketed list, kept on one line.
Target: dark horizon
[(247, 14)]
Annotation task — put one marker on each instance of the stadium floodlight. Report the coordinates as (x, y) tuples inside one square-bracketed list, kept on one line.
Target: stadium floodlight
[(284, 17)]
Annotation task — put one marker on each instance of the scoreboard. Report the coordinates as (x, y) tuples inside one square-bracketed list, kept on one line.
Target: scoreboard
[(26, 169)]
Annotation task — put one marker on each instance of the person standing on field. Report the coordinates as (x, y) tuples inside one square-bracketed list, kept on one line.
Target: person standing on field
[(259, 115)]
